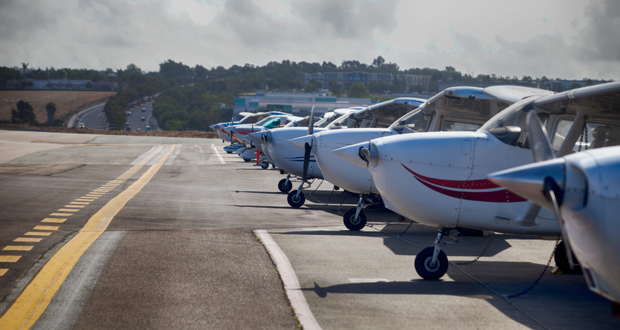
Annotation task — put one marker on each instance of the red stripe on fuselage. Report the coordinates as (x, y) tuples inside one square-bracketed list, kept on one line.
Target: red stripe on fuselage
[(496, 196), (467, 184)]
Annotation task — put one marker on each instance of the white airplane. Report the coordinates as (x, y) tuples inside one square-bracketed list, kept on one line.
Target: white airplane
[(365, 121), (458, 108), (239, 133), (583, 189), (289, 158), (439, 178), (245, 118), (256, 138)]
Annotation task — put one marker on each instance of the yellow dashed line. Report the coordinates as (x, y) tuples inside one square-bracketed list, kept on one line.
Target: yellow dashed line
[(101, 190), (64, 210), (80, 203), (9, 258), (62, 214), (38, 233), (18, 248), (27, 240), (54, 220), (3, 271), (46, 227), (84, 199), (75, 206), (33, 300)]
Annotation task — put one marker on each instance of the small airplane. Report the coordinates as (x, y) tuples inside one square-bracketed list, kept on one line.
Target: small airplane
[(243, 118), (457, 108), (583, 189), (265, 156), (439, 178), (289, 158), (239, 133)]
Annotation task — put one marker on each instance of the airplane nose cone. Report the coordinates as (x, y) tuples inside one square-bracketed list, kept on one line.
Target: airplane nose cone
[(301, 141), (528, 181), (257, 137), (214, 127), (356, 154)]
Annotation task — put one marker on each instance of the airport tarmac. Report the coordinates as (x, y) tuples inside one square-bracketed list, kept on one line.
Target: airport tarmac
[(108, 232)]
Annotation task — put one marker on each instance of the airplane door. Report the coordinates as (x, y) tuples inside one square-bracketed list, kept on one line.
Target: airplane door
[(467, 158)]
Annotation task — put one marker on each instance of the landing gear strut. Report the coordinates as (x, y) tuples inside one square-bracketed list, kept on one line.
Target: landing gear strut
[(432, 263), (296, 198)]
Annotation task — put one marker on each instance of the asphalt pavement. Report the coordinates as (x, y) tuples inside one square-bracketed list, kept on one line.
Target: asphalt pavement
[(112, 232)]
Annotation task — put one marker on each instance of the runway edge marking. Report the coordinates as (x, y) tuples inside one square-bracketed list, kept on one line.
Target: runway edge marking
[(291, 283), (35, 298)]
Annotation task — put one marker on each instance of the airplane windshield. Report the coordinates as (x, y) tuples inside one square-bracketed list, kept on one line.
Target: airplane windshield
[(414, 121), (265, 120), (272, 123), (598, 135), (253, 119), (340, 122), (509, 126)]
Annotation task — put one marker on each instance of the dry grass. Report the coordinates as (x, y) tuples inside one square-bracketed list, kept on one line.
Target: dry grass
[(66, 102), (186, 134)]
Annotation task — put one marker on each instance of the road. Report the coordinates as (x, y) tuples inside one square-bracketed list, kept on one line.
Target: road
[(117, 232), (94, 118), (135, 119)]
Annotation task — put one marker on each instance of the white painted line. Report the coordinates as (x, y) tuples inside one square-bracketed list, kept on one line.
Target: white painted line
[(291, 283), (218, 154)]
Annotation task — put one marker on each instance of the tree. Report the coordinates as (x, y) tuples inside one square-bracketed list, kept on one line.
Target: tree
[(335, 87), (88, 85), (357, 90), (24, 114), (378, 62), (25, 66), (310, 88), (450, 69), (51, 112)]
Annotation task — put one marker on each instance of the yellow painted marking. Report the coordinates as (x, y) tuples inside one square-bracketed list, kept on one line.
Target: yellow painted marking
[(62, 214), (102, 190), (93, 195), (80, 203), (38, 233), (54, 220), (36, 296), (46, 227), (9, 258), (18, 248), (65, 210), (75, 206), (27, 240), (3, 271), (83, 199)]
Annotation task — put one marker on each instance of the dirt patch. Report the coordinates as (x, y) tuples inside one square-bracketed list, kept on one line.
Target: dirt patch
[(66, 102), (184, 134)]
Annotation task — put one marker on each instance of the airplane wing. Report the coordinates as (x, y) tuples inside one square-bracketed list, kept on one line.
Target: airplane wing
[(512, 94), (396, 107), (605, 97)]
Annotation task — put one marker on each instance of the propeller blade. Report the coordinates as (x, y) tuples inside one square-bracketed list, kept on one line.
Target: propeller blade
[(307, 151), (555, 196), (311, 122), (539, 141)]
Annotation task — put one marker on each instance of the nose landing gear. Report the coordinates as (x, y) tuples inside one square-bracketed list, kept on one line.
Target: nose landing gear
[(432, 263)]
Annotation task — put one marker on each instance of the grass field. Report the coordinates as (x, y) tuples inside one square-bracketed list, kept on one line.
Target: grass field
[(66, 102)]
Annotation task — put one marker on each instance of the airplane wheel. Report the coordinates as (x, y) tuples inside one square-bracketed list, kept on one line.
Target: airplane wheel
[(285, 188), (229, 152), (425, 269), (562, 262), (351, 222), (264, 165), (295, 201), (247, 160)]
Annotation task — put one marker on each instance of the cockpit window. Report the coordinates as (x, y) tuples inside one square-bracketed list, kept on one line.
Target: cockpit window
[(340, 122), (597, 135), (457, 126), (272, 123), (509, 126), (414, 121)]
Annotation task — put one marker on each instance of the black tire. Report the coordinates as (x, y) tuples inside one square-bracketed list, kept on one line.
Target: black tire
[(229, 152), (428, 271), (294, 201), (285, 188), (264, 165), (354, 224), (559, 256), (247, 160)]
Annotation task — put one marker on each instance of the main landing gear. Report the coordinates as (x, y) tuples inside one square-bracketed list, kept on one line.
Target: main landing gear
[(285, 185), (432, 263)]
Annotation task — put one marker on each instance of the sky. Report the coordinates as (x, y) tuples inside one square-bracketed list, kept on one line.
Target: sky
[(570, 39)]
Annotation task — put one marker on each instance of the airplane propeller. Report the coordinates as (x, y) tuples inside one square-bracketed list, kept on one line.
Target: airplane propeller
[(307, 147), (541, 151)]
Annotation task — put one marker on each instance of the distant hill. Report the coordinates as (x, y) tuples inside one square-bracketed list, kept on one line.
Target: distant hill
[(66, 101)]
